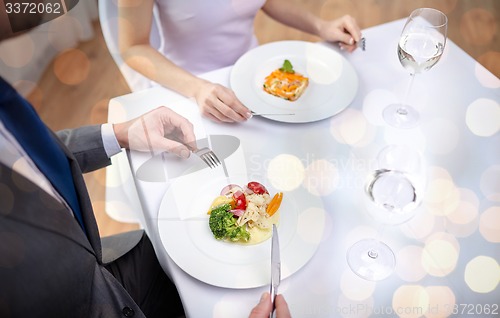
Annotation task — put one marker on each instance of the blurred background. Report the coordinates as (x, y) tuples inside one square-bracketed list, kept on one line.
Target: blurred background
[(67, 73)]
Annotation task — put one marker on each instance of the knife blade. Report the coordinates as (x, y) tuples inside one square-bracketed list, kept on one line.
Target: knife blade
[(275, 267)]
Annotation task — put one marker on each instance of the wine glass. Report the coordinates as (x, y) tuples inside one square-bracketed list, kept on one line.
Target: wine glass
[(393, 191), (420, 47)]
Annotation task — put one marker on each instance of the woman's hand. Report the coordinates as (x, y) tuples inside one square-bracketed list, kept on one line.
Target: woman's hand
[(220, 104), (344, 30)]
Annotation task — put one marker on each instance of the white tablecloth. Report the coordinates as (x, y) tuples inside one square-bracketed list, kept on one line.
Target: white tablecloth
[(447, 256)]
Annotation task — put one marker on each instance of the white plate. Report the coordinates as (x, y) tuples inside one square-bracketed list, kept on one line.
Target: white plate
[(333, 82), (191, 245)]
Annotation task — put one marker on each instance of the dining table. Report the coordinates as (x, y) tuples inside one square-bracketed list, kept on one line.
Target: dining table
[(447, 254)]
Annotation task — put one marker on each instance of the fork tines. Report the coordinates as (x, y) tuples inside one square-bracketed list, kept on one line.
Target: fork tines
[(362, 44), (209, 157)]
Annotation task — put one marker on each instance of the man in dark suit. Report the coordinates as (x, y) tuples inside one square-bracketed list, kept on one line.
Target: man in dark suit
[(52, 260)]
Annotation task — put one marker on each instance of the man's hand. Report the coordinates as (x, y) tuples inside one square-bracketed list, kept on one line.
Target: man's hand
[(264, 307), (157, 131)]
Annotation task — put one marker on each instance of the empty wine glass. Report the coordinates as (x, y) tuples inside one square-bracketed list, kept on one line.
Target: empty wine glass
[(420, 47), (394, 190)]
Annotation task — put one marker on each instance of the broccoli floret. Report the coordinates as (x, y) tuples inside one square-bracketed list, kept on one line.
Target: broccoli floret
[(223, 225), (239, 233)]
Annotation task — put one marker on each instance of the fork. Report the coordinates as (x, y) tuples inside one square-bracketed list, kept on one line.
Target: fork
[(271, 114), (208, 156), (362, 44)]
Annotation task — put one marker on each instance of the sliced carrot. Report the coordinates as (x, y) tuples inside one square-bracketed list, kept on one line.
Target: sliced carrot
[(274, 204)]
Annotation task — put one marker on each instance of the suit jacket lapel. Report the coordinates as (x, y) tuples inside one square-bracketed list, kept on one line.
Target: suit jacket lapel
[(83, 197), (34, 206)]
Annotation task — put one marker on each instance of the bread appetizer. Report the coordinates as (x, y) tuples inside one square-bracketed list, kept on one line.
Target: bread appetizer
[(286, 83)]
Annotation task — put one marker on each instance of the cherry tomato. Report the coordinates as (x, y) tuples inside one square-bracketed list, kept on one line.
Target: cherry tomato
[(240, 201), (256, 187)]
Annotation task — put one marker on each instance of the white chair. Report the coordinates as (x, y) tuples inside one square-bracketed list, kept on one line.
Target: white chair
[(122, 200), (108, 16)]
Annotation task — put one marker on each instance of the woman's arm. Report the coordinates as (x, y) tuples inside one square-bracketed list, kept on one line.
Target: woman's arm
[(344, 30), (215, 101)]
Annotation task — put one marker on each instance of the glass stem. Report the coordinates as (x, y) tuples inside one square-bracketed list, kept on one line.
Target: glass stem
[(373, 251), (402, 110)]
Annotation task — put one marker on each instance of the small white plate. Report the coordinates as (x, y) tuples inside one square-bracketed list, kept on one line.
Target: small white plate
[(333, 82), (191, 245)]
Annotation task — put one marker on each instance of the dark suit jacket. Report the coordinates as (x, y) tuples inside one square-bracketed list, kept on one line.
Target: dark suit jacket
[(48, 267)]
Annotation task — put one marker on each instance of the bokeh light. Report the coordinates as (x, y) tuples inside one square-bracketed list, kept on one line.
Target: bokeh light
[(482, 274), (483, 117), (99, 112), (351, 127), (67, 74), (406, 267), (464, 219), (410, 301), (467, 210), (321, 177), (69, 25), (440, 254), (286, 172), (489, 224), (21, 57), (120, 114), (420, 226), (441, 301), (442, 196)]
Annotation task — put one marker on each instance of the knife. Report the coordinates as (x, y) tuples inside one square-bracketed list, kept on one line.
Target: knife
[(275, 267)]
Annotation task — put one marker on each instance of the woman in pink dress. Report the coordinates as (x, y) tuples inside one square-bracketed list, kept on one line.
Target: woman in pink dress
[(198, 36)]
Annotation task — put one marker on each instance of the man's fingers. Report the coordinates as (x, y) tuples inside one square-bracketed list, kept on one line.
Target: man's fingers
[(174, 121), (171, 146)]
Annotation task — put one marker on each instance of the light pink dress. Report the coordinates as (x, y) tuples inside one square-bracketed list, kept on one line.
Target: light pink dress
[(203, 35)]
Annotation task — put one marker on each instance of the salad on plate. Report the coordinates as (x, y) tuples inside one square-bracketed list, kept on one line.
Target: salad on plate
[(244, 214)]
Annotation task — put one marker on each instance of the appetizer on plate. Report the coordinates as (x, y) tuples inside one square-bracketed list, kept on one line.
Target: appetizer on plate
[(244, 214), (286, 83)]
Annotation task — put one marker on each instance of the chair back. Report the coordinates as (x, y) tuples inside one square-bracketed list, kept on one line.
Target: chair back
[(108, 16)]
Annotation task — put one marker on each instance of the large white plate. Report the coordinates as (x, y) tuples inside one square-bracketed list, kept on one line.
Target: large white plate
[(333, 82), (191, 245)]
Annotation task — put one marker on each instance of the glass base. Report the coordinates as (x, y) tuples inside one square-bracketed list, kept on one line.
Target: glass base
[(401, 116), (371, 259)]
